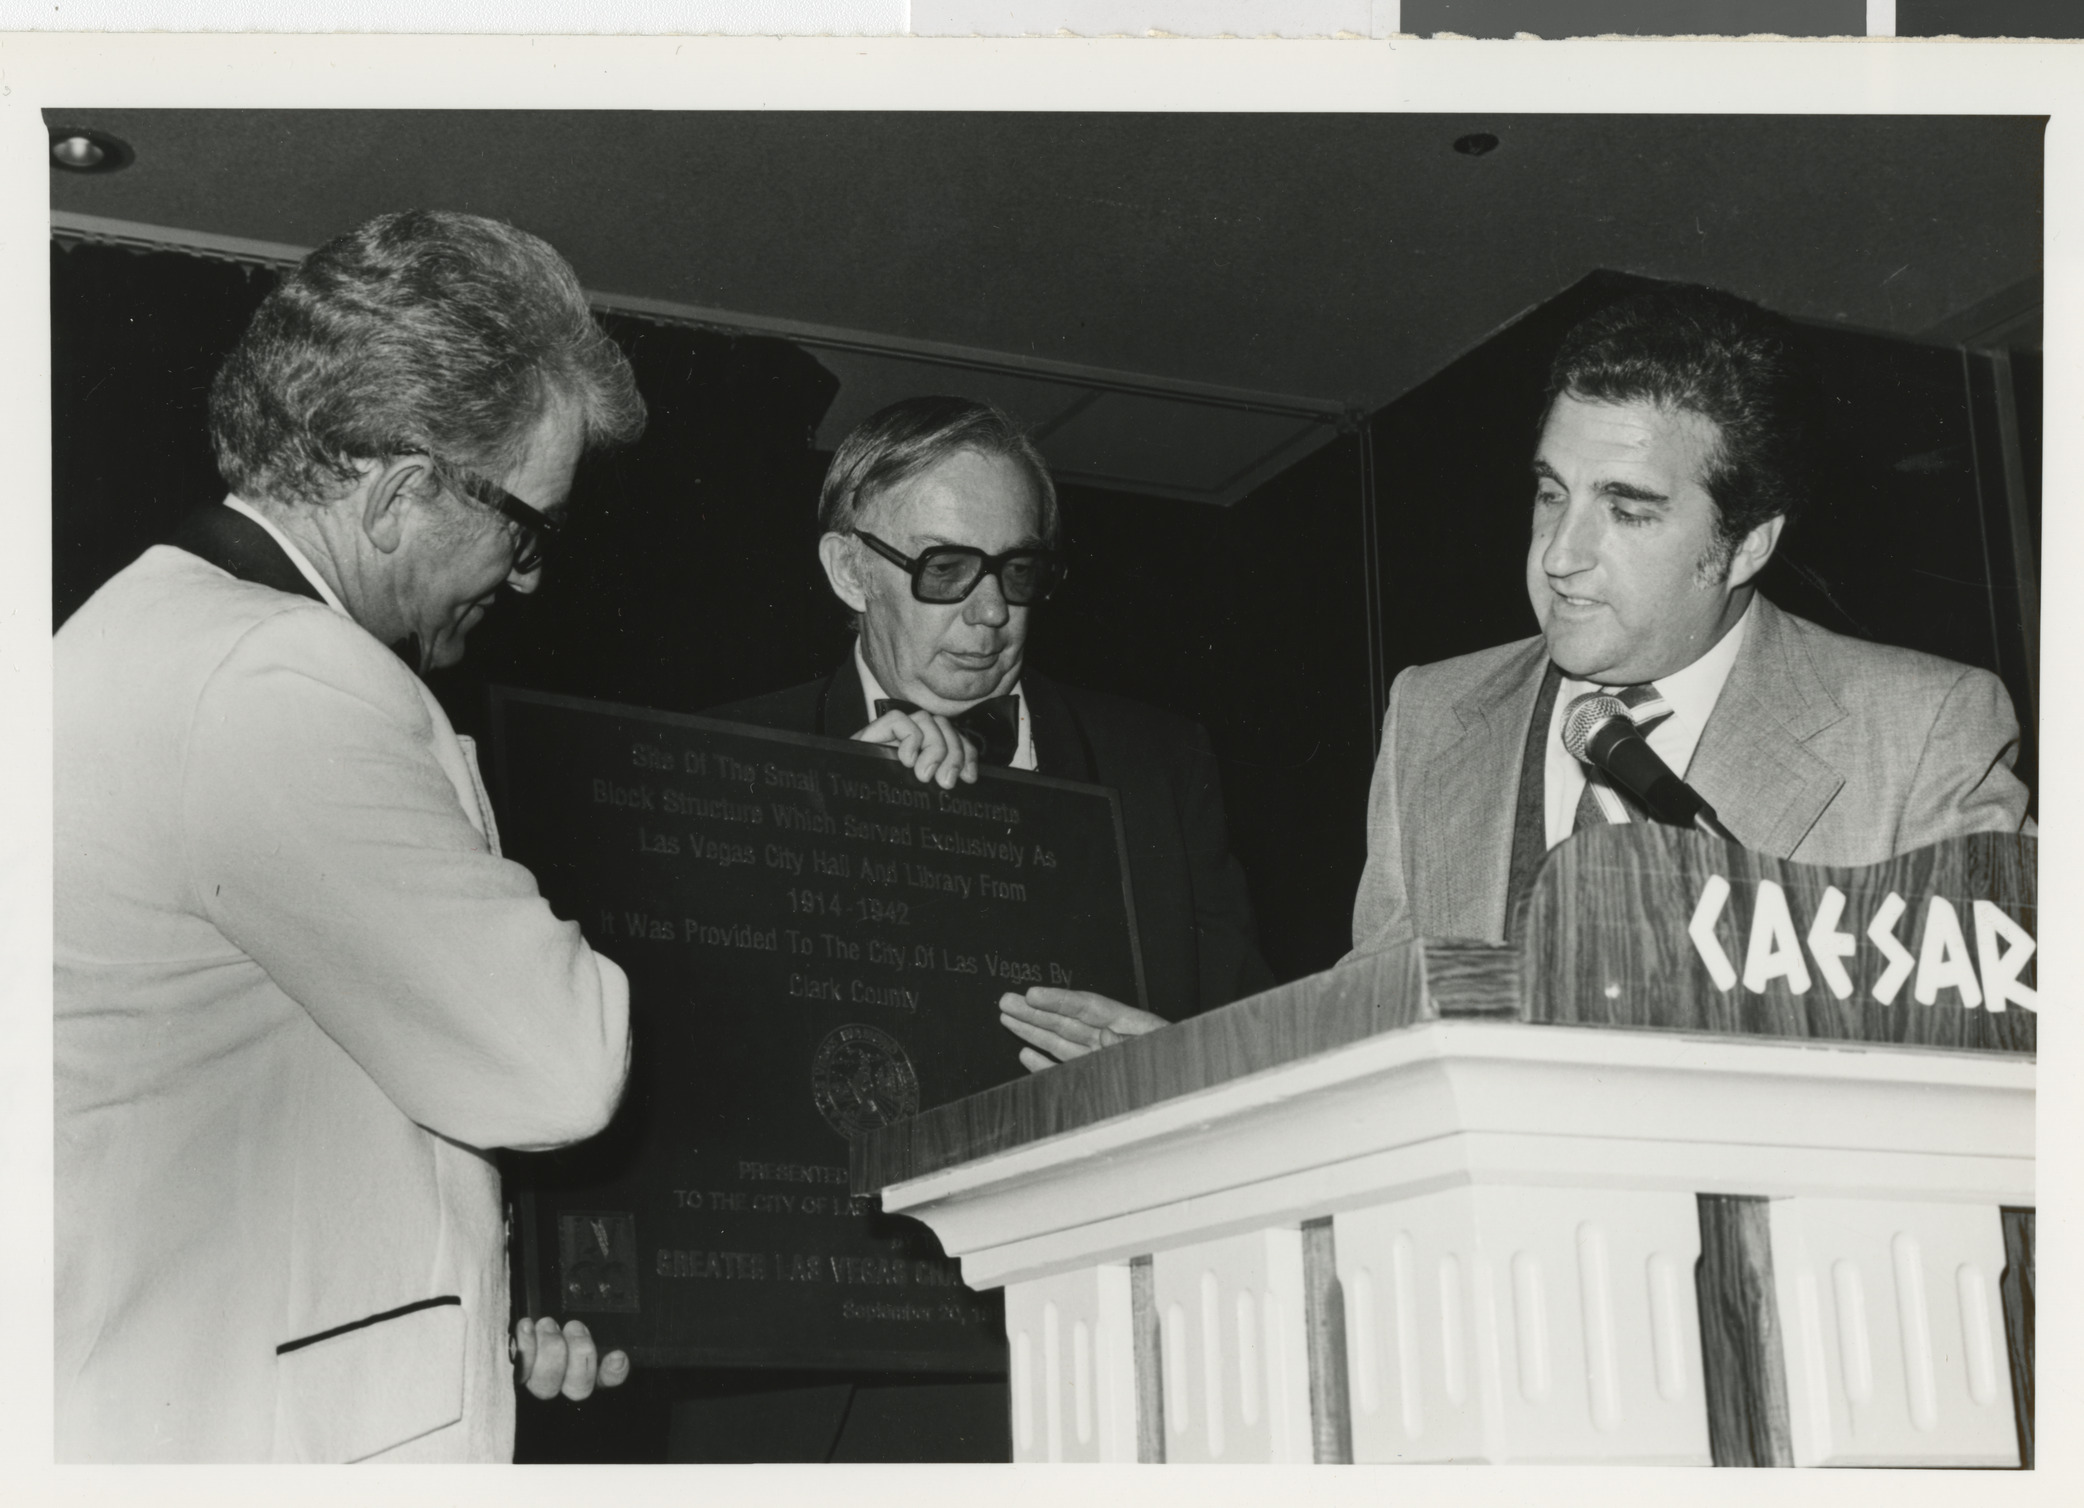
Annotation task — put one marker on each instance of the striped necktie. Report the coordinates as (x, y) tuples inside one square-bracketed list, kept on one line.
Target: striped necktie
[(1599, 802)]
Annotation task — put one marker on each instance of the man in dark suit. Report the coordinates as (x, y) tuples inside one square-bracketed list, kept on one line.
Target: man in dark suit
[(940, 537), (941, 529)]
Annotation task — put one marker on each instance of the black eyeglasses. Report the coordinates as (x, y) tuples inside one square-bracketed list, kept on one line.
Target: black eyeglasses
[(537, 528), (949, 573)]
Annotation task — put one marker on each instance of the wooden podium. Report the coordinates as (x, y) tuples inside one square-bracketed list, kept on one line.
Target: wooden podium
[(1728, 1161)]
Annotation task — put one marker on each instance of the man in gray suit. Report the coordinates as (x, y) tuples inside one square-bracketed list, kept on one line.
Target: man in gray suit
[(1673, 455)]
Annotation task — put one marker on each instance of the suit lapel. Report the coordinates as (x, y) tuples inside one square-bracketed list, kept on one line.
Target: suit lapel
[(238, 546), (1753, 763), (1061, 746), (841, 710), (1469, 794)]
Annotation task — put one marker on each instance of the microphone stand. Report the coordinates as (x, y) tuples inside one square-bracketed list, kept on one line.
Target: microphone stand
[(1706, 820), (1599, 731)]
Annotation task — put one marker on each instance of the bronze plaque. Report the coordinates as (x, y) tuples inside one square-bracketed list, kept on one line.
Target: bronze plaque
[(816, 945)]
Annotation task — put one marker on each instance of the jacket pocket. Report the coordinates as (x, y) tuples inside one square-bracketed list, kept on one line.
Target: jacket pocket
[(363, 1387)]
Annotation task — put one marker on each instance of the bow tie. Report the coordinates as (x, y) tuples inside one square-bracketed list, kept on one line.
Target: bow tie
[(995, 725)]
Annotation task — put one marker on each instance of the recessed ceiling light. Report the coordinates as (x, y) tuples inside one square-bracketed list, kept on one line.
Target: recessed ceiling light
[(79, 149), (1477, 144)]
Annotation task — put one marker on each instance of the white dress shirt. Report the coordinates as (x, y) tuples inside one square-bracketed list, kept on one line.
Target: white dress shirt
[(872, 692), (1691, 694)]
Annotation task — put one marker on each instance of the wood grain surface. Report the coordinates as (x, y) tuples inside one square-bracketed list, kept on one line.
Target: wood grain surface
[(1742, 1363), (1606, 941), (1149, 1342), (2017, 1288), (1605, 945), (1324, 1313), (1293, 1021)]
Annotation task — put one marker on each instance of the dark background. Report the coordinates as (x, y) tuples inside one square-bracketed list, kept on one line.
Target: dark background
[(691, 577)]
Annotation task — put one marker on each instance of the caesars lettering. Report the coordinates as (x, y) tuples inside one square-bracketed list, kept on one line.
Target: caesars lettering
[(1987, 979)]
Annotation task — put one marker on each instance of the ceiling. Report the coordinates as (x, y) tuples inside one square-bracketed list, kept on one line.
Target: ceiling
[(1177, 303)]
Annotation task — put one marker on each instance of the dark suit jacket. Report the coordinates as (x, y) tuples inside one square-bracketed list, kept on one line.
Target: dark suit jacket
[(1193, 916)]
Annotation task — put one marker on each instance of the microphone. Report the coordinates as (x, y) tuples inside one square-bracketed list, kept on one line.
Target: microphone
[(1598, 730)]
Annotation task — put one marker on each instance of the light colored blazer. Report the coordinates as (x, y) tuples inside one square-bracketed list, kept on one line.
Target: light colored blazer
[(1821, 748), (296, 992)]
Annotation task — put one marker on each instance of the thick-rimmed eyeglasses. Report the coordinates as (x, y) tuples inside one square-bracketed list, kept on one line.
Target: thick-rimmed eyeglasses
[(945, 574), (537, 529)]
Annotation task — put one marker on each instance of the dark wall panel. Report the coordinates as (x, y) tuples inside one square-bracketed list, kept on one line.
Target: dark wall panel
[(135, 340), (1250, 619)]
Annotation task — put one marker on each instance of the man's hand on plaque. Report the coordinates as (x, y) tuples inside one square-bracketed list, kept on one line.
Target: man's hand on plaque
[(927, 744), (554, 1359), (1067, 1024)]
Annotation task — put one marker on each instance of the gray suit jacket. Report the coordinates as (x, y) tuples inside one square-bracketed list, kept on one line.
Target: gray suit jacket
[(1824, 749)]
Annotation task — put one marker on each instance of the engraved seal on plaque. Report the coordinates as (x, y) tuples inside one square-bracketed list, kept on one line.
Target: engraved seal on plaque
[(597, 1255), (862, 1079)]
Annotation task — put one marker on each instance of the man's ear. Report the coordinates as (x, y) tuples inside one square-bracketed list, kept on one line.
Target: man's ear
[(390, 494), (841, 558), (1755, 550)]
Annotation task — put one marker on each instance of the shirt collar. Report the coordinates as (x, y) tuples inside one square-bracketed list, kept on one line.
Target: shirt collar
[(1692, 693), (872, 692), (296, 556)]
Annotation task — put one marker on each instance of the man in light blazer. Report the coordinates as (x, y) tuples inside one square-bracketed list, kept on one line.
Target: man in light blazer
[(1674, 453), (298, 992)]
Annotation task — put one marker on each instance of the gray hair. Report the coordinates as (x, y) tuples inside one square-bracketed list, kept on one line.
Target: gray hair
[(422, 332), (896, 443)]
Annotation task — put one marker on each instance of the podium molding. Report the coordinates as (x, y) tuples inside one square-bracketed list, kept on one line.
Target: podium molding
[(1433, 1207)]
